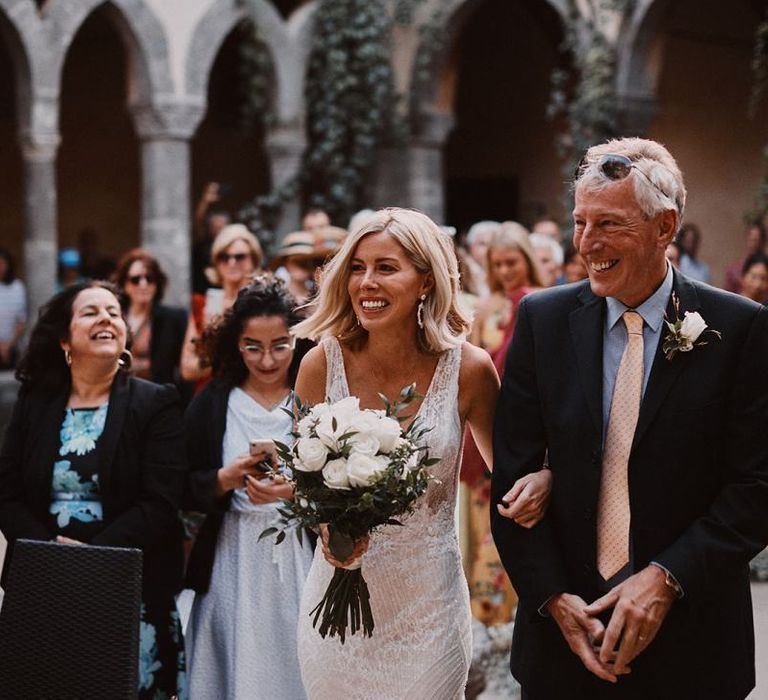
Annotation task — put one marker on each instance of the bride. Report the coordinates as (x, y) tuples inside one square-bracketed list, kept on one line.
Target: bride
[(388, 315)]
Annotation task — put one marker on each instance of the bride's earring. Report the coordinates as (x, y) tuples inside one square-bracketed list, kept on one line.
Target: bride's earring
[(420, 311), (68, 358)]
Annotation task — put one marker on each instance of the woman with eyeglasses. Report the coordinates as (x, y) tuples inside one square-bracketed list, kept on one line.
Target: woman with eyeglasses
[(157, 331), (242, 630), (235, 255)]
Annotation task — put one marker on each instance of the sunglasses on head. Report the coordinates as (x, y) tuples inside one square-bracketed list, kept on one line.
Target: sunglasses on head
[(136, 279), (617, 167), (237, 257)]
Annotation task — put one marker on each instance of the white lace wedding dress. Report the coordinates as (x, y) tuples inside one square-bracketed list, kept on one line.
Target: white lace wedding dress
[(421, 645)]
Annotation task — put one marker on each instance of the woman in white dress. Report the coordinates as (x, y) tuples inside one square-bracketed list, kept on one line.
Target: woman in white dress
[(241, 638), (388, 315)]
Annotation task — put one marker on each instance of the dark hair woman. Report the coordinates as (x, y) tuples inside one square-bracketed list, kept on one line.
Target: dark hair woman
[(241, 638), (95, 456), (13, 310), (157, 331)]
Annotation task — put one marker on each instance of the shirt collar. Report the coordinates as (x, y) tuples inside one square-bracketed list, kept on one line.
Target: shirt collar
[(652, 309)]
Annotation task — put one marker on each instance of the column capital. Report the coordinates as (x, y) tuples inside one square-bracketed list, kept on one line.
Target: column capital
[(171, 120), (286, 139), (636, 112), (39, 147), (432, 128)]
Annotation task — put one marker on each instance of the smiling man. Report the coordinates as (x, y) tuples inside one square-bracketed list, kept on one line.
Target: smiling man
[(657, 447)]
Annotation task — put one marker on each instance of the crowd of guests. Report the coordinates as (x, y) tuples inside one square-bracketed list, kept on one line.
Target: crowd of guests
[(96, 455)]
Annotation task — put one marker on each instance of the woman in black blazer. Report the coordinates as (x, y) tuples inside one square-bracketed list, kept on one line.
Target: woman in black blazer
[(157, 331), (95, 456)]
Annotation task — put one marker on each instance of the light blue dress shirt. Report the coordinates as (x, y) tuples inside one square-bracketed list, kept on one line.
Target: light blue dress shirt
[(615, 338)]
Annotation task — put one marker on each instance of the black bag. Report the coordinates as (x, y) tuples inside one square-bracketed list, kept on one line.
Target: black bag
[(69, 625)]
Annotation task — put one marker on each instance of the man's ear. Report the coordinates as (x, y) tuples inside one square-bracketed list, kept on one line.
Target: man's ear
[(667, 227)]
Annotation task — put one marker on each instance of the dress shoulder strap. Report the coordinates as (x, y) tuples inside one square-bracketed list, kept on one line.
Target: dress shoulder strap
[(445, 384), (335, 377)]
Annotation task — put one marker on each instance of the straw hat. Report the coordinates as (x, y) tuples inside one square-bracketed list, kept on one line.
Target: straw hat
[(297, 244), (328, 240)]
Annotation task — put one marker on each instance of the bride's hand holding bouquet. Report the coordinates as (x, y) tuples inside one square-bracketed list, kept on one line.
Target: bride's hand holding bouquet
[(354, 470)]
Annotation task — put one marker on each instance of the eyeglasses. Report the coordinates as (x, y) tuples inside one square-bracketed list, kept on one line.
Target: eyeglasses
[(617, 167), (136, 279), (279, 351), (224, 258)]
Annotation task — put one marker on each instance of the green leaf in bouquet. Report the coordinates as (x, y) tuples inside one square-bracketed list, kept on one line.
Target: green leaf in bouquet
[(430, 461), (266, 533), (280, 537), (392, 521), (334, 424), (347, 435), (300, 535)]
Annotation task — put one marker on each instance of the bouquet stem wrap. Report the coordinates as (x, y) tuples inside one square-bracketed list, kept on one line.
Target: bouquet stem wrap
[(346, 604)]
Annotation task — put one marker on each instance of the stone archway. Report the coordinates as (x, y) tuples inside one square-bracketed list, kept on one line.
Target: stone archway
[(14, 116), (500, 160), (98, 164), (685, 80)]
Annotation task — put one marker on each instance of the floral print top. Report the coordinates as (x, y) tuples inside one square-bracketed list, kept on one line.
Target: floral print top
[(75, 497)]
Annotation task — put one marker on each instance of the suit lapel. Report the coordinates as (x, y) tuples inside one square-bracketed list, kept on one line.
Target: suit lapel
[(664, 371), (586, 324), (113, 428)]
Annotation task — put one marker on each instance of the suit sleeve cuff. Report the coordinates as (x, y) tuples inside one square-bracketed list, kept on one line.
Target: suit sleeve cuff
[(670, 579)]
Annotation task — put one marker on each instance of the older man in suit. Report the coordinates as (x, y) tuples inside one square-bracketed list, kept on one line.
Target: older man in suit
[(656, 437)]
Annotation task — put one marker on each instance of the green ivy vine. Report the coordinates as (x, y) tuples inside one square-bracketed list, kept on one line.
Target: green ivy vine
[(586, 94)]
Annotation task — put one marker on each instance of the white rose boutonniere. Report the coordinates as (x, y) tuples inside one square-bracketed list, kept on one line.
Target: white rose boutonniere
[(683, 333)]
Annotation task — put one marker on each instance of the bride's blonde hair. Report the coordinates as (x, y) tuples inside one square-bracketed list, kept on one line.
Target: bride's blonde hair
[(430, 250)]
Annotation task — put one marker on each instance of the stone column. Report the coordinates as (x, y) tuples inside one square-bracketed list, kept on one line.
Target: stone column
[(412, 175), (425, 181), (285, 145), (40, 216), (165, 133), (636, 112)]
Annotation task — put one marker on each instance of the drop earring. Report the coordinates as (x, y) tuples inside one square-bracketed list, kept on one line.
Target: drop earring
[(420, 311), (68, 358)]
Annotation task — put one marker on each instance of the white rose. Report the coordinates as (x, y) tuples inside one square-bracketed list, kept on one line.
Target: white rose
[(312, 455), (364, 443), (335, 474), (362, 468), (305, 425), (319, 409), (326, 432), (350, 404), (693, 326), (388, 432)]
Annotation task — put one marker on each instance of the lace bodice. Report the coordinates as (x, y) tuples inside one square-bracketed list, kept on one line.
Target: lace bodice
[(421, 645), (439, 413)]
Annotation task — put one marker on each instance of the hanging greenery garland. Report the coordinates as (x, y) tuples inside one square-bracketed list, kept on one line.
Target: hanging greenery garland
[(586, 96)]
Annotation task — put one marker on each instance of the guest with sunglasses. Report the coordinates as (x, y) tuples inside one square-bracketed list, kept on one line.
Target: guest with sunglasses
[(242, 630), (235, 256), (157, 331)]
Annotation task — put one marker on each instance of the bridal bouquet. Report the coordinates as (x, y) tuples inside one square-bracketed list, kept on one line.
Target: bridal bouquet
[(353, 469)]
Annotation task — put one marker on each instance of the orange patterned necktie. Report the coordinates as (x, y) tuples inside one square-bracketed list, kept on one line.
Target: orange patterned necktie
[(613, 514)]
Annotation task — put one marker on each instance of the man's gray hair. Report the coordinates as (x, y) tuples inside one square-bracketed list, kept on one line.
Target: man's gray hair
[(481, 228), (541, 240), (653, 160)]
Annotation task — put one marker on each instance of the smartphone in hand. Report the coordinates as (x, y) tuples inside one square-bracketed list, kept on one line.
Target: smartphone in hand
[(268, 446)]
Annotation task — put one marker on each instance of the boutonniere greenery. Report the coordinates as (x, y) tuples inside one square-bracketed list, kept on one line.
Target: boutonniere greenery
[(683, 333)]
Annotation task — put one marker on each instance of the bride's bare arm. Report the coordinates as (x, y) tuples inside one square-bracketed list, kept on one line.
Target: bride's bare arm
[(310, 381)]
